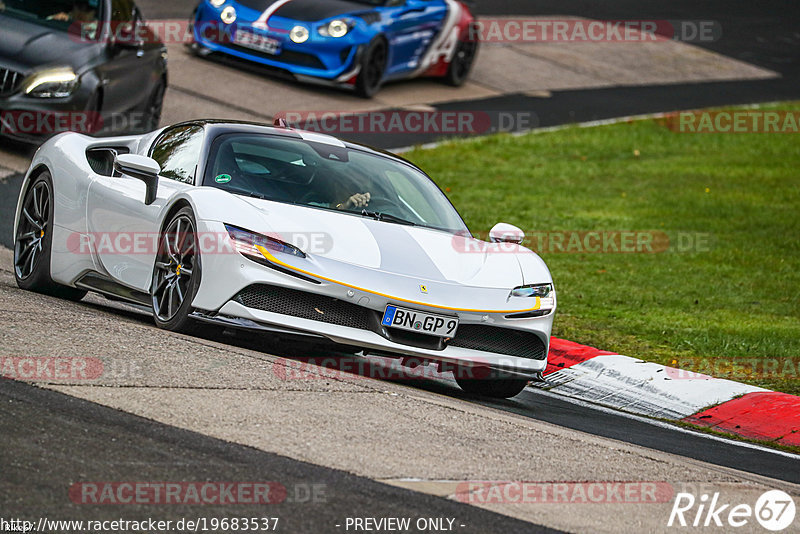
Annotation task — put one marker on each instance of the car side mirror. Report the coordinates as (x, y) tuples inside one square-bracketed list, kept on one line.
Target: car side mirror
[(506, 233), (142, 168), (125, 35)]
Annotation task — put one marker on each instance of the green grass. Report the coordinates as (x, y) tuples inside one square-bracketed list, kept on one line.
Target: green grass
[(737, 298)]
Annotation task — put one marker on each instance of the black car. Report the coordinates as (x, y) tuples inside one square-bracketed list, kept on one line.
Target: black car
[(81, 65)]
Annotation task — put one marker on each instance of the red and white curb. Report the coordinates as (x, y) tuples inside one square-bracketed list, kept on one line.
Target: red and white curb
[(654, 390)]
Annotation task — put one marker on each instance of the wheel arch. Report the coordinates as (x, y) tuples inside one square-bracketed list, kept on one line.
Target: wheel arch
[(33, 173), (176, 206)]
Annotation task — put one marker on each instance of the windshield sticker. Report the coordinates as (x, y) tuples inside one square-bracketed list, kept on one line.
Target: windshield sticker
[(223, 178)]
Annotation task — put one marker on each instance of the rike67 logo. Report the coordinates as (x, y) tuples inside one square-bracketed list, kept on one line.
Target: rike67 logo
[(774, 510)]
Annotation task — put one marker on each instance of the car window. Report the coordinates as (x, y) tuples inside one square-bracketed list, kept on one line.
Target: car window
[(178, 151), (319, 175), (76, 16), (122, 10)]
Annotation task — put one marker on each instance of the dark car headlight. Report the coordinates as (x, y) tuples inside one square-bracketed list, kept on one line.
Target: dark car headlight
[(245, 241), (58, 82), (335, 28)]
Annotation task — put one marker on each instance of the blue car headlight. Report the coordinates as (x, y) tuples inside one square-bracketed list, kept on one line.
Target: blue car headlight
[(228, 15), (335, 28), (245, 241), (299, 34)]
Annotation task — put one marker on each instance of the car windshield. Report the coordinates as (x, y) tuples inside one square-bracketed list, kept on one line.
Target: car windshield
[(75, 16), (330, 177)]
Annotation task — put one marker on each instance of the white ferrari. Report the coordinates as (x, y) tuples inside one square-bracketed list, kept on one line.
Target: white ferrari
[(287, 232)]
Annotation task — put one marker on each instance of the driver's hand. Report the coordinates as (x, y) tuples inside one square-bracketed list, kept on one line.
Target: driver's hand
[(359, 200), (63, 17)]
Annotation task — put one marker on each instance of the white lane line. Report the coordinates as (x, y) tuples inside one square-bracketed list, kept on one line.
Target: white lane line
[(662, 424)]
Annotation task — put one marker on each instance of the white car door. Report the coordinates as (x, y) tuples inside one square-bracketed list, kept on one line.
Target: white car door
[(123, 228)]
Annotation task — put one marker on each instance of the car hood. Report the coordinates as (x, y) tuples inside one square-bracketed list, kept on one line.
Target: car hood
[(26, 46), (308, 10), (421, 253)]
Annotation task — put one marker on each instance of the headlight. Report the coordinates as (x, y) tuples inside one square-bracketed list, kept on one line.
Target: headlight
[(545, 293), (52, 83), (228, 15), (217, 3), (245, 243), (540, 290), (335, 28), (299, 34)]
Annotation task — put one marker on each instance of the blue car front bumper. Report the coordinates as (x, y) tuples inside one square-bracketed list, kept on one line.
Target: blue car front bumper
[(333, 60)]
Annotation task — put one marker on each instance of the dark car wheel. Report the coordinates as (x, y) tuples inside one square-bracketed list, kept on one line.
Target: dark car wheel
[(373, 65), (176, 274), (462, 62), (33, 241), (497, 386), (152, 113)]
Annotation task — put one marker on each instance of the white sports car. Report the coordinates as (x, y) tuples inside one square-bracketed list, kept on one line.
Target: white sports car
[(290, 233)]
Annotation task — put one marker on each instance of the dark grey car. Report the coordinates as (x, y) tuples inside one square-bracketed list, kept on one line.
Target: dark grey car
[(80, 65)]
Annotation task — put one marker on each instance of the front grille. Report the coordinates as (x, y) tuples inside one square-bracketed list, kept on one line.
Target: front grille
[(301, 59), (304, 305), (9, 81), (290, 57), (499, 341)]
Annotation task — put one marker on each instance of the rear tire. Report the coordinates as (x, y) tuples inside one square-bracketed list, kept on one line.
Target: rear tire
[(33, 242), (176, 274), (373, 65), (502, 387)]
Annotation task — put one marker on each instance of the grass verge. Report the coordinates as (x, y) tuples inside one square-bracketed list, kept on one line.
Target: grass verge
[(725, 290)]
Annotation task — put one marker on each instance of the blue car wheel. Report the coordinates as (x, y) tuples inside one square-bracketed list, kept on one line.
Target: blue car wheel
[(373, 65)]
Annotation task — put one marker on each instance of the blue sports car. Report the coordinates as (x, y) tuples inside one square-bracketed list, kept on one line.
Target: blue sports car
[(355, 44)]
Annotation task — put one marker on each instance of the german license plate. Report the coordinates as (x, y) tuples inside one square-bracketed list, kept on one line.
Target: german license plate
[(420, 322), (257, 42)]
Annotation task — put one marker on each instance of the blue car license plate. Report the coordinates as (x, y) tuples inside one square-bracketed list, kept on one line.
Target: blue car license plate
[(258, 42)]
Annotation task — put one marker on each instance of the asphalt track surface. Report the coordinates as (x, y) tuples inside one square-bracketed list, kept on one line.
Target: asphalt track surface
[(49, 438), (68, 440)]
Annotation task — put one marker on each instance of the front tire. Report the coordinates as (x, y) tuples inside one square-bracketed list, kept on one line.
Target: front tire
[(155, 105), (176, 274), (461, 65), (373, 65), (33, 242)]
